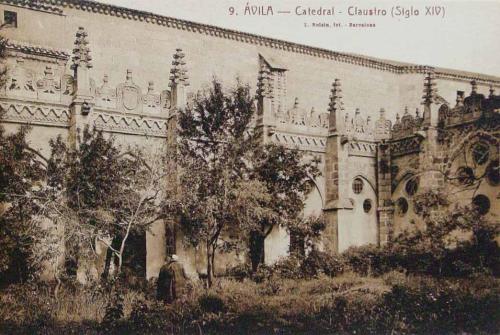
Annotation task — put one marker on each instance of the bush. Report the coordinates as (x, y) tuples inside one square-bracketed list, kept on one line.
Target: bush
[(318, 262), (211, 303)]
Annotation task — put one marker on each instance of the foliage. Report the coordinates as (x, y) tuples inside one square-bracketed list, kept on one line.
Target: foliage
[(221, 200), (101, 194), (344, 304), (318, 262), (289, 179), (21, 173)]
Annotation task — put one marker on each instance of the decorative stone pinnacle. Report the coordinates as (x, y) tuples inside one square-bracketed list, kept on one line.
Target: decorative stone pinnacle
[(264, 82), (151, 86), (129, 76), (178, 72), (492, 91), (460, 98), (397, 118), (81, 51), (105, 79), (382, 113), (406, 111), (430, 90), (417, 113), (336, 104), (296, 103), (473, 87)]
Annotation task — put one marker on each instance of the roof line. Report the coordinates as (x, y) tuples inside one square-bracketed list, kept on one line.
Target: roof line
[(144, 16)]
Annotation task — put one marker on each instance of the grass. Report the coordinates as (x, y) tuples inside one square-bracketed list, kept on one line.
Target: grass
[(349, 303)]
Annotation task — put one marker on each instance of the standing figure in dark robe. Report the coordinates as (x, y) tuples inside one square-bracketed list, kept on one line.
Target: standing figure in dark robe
[(171, 280)]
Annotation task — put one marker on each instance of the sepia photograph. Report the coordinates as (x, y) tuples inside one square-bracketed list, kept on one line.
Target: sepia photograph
[(249, 167)]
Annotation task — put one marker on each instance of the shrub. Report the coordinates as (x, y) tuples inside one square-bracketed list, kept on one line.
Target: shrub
[(318, 262), (211, 303)]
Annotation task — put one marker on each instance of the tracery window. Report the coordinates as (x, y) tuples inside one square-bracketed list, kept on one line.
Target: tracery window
[(465, 175), (402, 206), (480, 153), (367, 205), (482, 203), (411, 186), (493, 173), (357, 185)]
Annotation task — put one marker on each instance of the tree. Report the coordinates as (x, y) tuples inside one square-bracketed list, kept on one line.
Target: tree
[(218, 197), (21, 169), (101, 194), (20, 173), (288, 178), (232, 185)]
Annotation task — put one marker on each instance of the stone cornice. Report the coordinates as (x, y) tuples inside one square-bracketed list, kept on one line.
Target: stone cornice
[(36, 50), (42, 6), (137, 15)]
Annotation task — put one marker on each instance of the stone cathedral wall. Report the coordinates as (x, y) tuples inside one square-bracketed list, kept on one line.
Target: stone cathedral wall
[(133, 50)]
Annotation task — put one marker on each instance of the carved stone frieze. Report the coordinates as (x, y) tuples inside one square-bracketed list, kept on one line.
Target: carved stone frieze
[(19, 112), (406, 145), (130, 124), (301, 142), (362, 148)]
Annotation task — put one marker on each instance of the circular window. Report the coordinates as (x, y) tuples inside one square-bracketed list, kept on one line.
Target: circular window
[(411, 186), (480, 153), (367, 205), (465, 175), (493, 173), (357, 185), (482, 204), (402, 206)]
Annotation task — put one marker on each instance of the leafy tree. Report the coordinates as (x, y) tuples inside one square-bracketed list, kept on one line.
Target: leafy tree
[(288, 179), (21, 169), (100, 194), (217, 197), (230, 184), (20, 173)]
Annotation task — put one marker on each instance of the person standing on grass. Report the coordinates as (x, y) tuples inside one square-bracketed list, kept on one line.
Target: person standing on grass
[(172, 280)]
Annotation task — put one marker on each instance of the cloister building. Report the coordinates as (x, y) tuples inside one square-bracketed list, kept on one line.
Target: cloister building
[(383, 131)]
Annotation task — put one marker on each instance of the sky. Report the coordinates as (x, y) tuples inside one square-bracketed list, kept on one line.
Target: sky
[(462, 35)]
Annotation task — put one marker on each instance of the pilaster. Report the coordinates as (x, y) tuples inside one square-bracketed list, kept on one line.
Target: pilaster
[(83, 99)]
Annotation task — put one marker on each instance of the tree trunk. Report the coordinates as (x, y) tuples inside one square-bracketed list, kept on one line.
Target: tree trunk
[(209, 266), (109, 258), (256, 249)]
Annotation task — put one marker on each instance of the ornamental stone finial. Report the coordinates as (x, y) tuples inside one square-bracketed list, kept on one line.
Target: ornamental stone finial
[(81, 51), (430, 90), (473, 85), (178, 81), (383, 127), (264, 82), (178, 72), (460, 98), (492, 91), (335, 106)]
